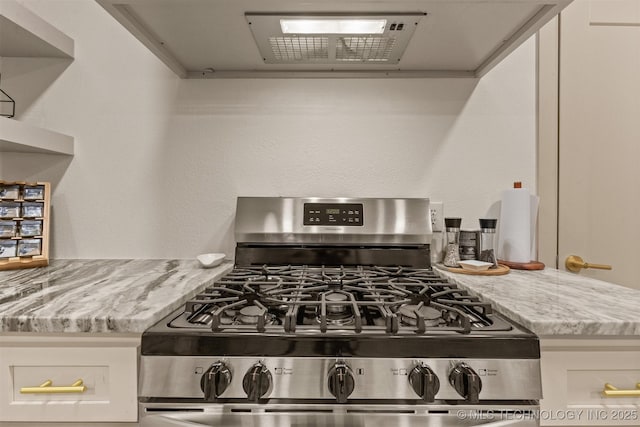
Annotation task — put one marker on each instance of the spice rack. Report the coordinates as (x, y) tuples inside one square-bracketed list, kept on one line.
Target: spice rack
[(24, 224)]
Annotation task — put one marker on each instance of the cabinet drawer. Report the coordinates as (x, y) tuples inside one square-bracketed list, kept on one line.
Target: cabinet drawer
[(27, 380), (572, 385), (36, 384), (584, 386)]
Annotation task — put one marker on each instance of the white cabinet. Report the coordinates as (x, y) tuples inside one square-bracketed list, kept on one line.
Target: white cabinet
[(25, 34), (574, 374), (68, 378)]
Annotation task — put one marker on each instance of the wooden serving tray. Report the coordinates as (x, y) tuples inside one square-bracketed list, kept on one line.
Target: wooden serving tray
[(41, 260), (502, 269), (531, 265)]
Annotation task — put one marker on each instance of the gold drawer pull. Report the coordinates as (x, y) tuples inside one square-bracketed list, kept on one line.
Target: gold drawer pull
[(611, 391), (45, 387)]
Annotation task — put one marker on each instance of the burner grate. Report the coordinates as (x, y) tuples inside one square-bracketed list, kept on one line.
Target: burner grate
[(303, 299)]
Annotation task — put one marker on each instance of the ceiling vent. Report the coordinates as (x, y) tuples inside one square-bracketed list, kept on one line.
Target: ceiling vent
[(205, 39), (332, 39)]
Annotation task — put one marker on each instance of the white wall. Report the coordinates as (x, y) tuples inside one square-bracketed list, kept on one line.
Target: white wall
[(159, 161)]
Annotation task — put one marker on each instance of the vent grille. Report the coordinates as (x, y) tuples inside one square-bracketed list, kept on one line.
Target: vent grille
[(349, 50), (300, 48), (376, 49)]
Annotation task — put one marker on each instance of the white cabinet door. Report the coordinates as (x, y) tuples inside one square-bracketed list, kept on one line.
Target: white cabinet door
[(574, 377), (599, 137), (108, 374)]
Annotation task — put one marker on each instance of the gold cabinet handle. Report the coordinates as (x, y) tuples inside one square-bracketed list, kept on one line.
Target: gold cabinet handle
[(46, 387), (611, 391), (574, 264)]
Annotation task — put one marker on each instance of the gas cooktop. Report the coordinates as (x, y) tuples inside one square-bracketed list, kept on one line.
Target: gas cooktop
[(336, 300), (347, 311)]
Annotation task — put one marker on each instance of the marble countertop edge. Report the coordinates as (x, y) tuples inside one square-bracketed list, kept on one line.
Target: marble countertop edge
[(554, 302), (68, 303), (128, 296)]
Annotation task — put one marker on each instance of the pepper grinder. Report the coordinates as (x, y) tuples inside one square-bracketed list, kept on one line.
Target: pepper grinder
[(452, 236), (487, 241)]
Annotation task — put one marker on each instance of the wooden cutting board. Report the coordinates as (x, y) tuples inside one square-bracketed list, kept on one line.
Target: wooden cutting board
[(531, 265), (502, 269)]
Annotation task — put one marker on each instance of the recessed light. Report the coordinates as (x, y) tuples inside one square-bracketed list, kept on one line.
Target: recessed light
[(332, 26)]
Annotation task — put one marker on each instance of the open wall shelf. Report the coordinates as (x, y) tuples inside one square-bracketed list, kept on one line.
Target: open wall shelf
[(16, 136), (25, 34)]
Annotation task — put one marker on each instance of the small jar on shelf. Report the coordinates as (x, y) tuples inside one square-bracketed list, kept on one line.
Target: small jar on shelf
[(30, 228), (8, 248), (32, 209), (9, 191), (8, 229), (9, 209), (29, 247), (33, 192)]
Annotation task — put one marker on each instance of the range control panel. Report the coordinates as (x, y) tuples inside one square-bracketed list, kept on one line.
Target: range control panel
[(418, 380), (344, 214)]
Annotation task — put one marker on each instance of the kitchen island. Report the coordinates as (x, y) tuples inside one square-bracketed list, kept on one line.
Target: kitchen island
[(589, 336)]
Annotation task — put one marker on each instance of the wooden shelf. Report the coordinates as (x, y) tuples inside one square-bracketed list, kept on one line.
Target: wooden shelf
[(25, 34), (16, 136)]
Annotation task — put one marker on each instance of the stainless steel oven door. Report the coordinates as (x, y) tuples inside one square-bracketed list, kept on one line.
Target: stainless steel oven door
[(339, 415)]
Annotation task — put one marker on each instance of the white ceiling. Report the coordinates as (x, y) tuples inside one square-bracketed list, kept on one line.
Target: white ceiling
[(456, 37)]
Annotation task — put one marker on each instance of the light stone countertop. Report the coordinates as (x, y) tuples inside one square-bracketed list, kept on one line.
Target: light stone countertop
[(113, 296), (128, 296), (551, 302)]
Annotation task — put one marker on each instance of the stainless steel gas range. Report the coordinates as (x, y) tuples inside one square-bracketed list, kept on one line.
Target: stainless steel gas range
[(332, 315)]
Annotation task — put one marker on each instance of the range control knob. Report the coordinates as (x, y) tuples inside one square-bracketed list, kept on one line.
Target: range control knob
[(256, 382), (466, 382), (215, 381), (341, 382), (424, 382)]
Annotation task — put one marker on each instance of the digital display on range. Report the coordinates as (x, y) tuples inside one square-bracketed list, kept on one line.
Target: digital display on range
[(344, 214)]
